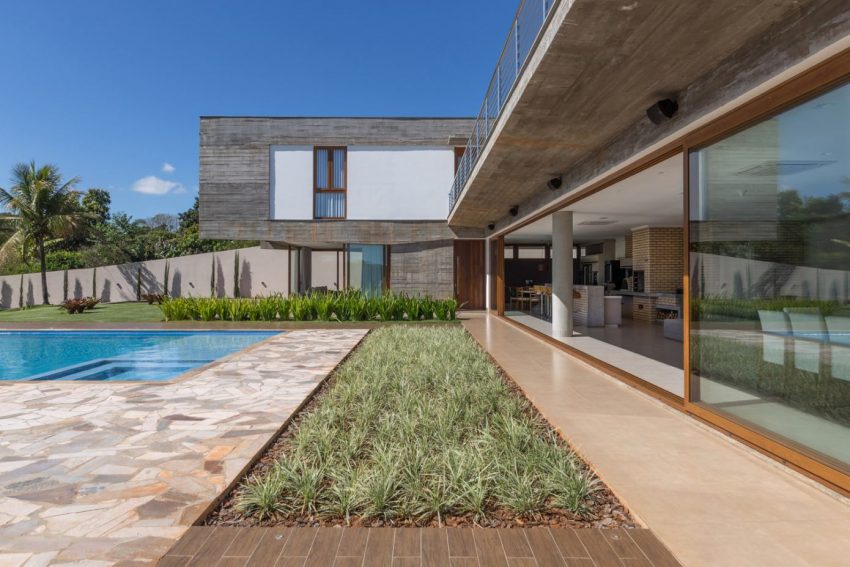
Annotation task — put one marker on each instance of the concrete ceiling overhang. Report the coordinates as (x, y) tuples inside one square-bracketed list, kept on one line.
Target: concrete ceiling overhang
[(595, 75), (652, 197)]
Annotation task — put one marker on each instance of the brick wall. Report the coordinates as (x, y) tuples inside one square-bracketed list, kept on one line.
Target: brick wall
[(657, 251), (644, 309)]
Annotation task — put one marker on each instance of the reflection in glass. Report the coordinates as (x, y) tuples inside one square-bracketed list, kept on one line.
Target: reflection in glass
[(770, 276), (366, 268)]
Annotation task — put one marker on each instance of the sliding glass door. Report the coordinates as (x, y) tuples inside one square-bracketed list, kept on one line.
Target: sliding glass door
[(368, 268), (770, 277)]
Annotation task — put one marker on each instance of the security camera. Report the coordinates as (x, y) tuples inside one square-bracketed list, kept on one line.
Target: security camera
[(514, 210), (555, 183)]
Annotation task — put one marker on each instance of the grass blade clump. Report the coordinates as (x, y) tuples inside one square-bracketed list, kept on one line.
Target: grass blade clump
[(417, 426)]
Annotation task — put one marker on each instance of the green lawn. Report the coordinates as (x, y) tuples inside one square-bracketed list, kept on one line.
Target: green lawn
[(103, 313), (418, 425)]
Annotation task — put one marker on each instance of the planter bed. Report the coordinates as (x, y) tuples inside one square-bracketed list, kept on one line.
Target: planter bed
[(419, 427)]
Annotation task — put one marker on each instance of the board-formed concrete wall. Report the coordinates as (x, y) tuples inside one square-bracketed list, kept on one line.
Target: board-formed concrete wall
[(261, 272), (423, 269)]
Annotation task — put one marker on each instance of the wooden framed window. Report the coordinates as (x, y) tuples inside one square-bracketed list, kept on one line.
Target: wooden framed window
[(330, 177)]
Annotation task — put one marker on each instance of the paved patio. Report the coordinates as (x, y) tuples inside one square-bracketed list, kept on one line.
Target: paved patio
[(114, 473), (708, 498)]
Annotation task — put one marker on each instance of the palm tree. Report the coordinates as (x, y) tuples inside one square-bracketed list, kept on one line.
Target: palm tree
[(39, 207)]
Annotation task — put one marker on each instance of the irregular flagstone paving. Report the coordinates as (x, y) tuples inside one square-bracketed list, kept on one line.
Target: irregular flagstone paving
[(114, 473)]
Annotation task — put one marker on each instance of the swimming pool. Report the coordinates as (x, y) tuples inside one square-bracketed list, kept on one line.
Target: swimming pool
[(115, 355)]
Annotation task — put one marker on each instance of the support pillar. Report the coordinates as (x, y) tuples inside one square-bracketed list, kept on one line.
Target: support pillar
[(305, 267), (562, 274)]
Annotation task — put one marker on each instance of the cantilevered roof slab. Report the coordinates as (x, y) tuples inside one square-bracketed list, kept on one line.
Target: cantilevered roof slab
[(598, 66)]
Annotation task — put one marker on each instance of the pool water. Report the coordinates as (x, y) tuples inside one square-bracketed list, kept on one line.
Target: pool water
[(115, 355)]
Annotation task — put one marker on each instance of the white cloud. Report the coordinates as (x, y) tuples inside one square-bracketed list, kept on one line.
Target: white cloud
[(168, 168), (153, 185)]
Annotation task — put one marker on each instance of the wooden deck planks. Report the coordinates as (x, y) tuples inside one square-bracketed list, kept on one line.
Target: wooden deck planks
[(435, 547), (379, 547), (269, 548), (425, 547)]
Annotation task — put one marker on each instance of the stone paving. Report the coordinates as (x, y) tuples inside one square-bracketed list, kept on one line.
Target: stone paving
[(114, 473)]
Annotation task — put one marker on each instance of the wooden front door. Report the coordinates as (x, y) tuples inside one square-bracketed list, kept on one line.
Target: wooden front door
[(469, 273)]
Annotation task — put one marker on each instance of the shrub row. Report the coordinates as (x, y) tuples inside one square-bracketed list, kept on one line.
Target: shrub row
[(350, 305)]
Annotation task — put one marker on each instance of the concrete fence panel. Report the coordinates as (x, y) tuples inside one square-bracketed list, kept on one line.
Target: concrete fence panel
[(191, 276), (263, 272), (10, 291), (118, 283), (80, 283), (153, 275), (260, 273), (55, 287), (723, 276), (32, 289), (225, 273)]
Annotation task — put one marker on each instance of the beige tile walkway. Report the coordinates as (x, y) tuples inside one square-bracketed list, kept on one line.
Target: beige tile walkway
[(710, 500), (113, 473)]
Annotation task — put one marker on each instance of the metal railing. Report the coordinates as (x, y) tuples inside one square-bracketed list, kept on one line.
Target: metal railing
[(529, 20)]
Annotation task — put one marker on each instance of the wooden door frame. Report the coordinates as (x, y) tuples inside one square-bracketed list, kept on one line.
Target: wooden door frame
[(481, 245)]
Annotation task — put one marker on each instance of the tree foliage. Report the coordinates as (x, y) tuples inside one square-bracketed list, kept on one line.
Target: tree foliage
[(41, 208), (100, 237)]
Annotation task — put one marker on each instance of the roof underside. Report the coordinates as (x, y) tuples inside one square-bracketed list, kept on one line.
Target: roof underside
[(605, 65)]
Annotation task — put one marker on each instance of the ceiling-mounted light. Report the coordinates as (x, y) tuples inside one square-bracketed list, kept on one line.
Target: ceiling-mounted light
[(491, 226), (514, 211), (662, 111), (555, 183)]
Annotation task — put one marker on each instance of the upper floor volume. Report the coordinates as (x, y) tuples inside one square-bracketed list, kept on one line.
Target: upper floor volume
[(258, 171)]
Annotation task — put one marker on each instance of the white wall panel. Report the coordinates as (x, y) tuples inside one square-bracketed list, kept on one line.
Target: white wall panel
[(292, 182), (399, 183)]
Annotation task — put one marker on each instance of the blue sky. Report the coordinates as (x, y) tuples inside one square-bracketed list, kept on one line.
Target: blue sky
[(111, 91)]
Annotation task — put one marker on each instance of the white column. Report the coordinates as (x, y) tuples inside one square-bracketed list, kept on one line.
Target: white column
[(562, 274)]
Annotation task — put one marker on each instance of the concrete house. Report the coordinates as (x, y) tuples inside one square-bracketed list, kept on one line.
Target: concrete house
[(658, 187), (352, 202)]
